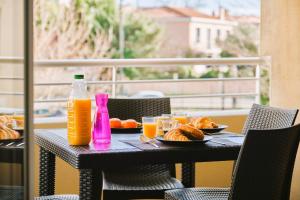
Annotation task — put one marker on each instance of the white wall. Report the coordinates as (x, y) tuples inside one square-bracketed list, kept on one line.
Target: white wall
[(213, 25)]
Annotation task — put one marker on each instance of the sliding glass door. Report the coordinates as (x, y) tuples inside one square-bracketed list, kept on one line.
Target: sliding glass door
[(16, 135)]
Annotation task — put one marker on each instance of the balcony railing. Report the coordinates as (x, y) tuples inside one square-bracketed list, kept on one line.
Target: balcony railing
[(115, 64)]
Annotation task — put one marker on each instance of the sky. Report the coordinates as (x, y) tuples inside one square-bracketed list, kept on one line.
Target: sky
[(236, 7)]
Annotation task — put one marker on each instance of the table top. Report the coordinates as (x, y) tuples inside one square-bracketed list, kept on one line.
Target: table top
[(107, 156)]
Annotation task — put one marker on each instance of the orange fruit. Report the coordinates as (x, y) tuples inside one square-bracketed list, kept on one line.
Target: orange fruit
[(115, 123), (129, 123)]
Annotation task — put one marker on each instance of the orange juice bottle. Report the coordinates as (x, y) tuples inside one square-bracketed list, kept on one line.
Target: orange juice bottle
[(79, 113)]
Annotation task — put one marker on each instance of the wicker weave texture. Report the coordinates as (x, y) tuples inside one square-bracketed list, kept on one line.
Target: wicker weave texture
[(137, 108), (198, 194), (265, 164), (264, 169), (59, 197), (90, 184), (11, 192), (188, 179), (140, 178), (47, 173), (265, 117), (140, 183)]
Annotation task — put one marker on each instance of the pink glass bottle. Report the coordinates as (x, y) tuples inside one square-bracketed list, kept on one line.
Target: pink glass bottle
[(101, 128)]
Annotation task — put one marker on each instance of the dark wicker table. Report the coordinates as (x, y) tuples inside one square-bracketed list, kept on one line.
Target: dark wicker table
[(91, 160), (11, 152)]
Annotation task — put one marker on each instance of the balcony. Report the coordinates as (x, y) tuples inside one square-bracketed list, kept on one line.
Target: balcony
[(221, 93), (228, 107)]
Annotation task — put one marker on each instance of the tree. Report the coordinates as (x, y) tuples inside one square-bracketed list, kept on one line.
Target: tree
[(86, 29), (142, 36), (242, 42), (70, 31)]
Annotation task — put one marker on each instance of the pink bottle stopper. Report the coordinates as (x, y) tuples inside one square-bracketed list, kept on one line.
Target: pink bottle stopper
[(101, 129)]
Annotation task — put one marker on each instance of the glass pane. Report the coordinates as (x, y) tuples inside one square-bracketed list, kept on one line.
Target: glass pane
[(154, 29), (11, 99)]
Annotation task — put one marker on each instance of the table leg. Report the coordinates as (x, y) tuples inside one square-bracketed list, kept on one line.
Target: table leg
[(47, 173), (188, 174), (90, 184)]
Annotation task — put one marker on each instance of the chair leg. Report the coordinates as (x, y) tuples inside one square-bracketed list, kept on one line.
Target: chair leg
[(47, 173), (188, 174), (90, 184)]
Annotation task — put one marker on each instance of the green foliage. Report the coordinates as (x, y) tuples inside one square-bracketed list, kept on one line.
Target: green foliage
[(100, 14), (142, 36), (243, 42), (211, 74), (192, 54), (226, 54), (264, 99)]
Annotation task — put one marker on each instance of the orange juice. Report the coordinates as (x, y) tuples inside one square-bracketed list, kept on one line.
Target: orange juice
[(149, 130), (79, 121), (181, 119)]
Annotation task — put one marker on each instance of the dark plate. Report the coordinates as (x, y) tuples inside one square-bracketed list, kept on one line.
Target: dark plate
[(214, 130), (206, 139), (126, 130), (12, 140)]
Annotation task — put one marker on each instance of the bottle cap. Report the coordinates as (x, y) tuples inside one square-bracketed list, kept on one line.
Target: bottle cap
[(78, 76)]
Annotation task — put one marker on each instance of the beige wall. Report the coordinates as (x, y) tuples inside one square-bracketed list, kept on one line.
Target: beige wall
[(175, 38), (11, 45), (280, 36)]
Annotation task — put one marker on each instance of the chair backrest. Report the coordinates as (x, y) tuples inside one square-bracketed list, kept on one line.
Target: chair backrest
[(137, 108), (265, 164), (265, 117)]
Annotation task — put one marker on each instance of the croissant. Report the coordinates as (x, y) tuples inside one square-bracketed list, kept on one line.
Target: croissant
[(191, 131), (7, 133), (175, 135), (204, 122), (6, 120)]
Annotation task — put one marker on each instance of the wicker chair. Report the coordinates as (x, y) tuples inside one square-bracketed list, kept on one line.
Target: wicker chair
[(11, 192), (264, 169), (145, 181), (260, 117), (58, 197), (265, 117)]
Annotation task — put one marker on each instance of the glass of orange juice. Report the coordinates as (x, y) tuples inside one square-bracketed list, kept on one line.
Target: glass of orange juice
[(181, 118), (149, 127)]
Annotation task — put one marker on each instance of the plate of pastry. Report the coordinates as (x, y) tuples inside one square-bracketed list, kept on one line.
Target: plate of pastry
[(125, 126), (207, 125), (8, 133), (184, 134)]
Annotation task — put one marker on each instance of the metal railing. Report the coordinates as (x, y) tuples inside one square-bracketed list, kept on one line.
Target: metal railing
[(116, 64)]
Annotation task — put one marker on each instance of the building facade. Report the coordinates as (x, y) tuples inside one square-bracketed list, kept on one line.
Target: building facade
[(187, 30)]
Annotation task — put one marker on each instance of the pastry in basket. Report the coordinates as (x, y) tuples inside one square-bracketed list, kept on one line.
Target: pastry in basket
[(175, 135), (204, 122), (7, 120), (7, 133), (191, 131)]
